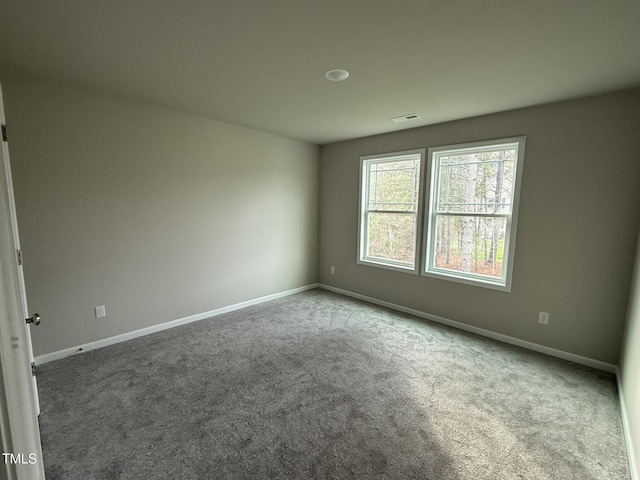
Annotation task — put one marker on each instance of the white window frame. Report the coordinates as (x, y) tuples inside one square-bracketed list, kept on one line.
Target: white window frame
[(363, 215), (428, 243)]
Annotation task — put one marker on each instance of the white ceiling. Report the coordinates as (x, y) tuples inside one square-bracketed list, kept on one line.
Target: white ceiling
[(260, 63)]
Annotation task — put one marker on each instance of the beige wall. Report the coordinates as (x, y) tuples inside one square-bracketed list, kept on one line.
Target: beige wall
[(630, 363), (579, 210), (156, 214)]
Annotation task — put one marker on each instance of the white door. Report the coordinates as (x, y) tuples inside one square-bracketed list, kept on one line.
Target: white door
[(19, 407)]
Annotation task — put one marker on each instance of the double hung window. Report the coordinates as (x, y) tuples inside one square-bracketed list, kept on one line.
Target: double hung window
[(389, 209), (472, 211), (470, 216)]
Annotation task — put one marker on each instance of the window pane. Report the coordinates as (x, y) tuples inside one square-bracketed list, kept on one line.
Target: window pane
[(394, 185), (392, 237), (478, 182), (470, 244)]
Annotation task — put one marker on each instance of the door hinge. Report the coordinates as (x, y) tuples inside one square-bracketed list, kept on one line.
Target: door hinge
[(33, 368), (20, 259), (4, 133)]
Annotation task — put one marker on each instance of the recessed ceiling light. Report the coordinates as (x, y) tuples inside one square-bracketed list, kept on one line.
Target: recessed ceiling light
[(336, 74), (404, 118)]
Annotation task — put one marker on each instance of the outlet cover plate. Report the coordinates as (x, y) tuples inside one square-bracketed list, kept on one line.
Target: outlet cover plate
[(543, 318)]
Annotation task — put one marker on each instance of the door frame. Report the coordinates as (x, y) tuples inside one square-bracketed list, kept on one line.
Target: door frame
[(20, 433)]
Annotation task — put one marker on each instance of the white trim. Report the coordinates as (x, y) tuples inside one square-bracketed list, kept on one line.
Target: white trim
[(50, 357), (572, 357), (626, 426)]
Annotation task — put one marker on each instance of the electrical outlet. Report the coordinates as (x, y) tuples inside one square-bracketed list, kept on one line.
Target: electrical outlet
[(333, 269), (101, 311), (543, 318)]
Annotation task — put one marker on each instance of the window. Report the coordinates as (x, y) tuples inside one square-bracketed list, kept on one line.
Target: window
[(472, 216), (390, 223)]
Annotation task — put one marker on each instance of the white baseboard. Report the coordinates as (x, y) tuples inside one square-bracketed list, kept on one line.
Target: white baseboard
[(626, 426), (50, 357), (589, 362)]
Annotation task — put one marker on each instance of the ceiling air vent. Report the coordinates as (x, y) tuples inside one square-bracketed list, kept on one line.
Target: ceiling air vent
[(405, 118)]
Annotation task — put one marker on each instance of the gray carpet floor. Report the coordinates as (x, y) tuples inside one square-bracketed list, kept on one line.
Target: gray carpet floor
[(317, 385)]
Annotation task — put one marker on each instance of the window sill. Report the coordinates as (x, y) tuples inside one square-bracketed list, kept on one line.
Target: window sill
[(388, 266), (476, 282)]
